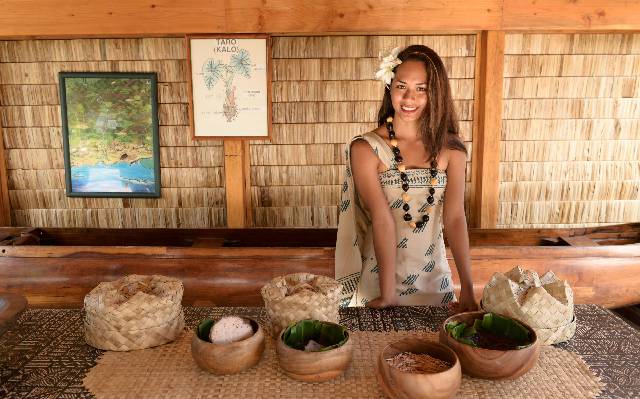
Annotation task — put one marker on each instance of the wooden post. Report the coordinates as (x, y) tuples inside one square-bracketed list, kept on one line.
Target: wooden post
[(487, 128), (237, 184), (5, 205)]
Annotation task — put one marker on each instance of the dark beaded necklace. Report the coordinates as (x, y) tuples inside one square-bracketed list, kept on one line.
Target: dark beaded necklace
[(405, 180)]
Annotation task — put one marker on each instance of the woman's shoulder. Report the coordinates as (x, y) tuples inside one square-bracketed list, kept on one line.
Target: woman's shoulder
[(374, 135), (371, 145), (367, 142), (451, 156)]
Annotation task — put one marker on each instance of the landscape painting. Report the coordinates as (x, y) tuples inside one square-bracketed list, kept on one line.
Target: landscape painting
[(110, 134)]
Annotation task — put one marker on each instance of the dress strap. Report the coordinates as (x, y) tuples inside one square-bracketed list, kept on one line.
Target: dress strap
[(379, 146)]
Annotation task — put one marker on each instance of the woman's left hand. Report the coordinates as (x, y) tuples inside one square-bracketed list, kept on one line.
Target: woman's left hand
[(380, 303), (466, 303)]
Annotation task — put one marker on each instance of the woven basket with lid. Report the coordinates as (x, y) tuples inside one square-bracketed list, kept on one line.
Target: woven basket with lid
[(134, 312), (300, 296), (545, 303)]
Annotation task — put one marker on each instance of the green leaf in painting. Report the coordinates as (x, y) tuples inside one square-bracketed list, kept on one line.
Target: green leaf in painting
[(241, 62), (212, 71)]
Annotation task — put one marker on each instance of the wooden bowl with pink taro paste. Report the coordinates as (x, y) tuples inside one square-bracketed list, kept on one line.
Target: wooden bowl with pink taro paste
[(227, 346)]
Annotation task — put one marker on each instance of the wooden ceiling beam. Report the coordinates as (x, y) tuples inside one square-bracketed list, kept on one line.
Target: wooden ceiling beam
[(122, 18)]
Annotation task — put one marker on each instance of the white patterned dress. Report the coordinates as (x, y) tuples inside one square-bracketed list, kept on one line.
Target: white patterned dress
[(423, 276)]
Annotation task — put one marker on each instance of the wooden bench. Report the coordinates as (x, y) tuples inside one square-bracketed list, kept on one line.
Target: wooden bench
[(228, 267)]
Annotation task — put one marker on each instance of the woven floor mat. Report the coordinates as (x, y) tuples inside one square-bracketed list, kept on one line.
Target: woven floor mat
[(169, 371)]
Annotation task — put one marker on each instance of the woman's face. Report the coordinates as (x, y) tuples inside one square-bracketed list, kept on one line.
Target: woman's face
[(409, 90)]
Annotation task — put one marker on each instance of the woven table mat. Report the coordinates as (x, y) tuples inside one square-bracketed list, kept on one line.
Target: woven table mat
[(169, 371)]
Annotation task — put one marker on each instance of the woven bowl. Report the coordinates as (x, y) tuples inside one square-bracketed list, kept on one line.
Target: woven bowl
[(230, 358), (285, 305), (313, 366), (134, 312), (396, 383), (490, 363), (546, 336), (550, 336)]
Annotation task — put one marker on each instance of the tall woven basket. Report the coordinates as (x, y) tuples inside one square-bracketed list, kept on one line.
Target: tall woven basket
[(545, 303), (135, 312), (300, 296)]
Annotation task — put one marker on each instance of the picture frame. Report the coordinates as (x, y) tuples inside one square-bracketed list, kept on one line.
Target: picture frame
[(229, 82), (110, 134)]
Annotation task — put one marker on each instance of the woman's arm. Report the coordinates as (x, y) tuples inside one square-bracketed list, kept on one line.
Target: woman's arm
[(364, 164), (455, 226)]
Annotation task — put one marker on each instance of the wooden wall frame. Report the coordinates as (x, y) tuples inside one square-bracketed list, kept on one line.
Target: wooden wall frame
[(5, 203), (237, 184), (487, 123)]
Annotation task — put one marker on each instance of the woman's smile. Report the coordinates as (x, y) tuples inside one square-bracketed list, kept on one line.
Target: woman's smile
[(408, 109)]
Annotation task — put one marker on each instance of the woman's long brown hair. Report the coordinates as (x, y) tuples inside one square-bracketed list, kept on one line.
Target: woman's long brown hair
[(438, 123)]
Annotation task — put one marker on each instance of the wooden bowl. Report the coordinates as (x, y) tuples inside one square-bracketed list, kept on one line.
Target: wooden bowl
[(490, 363), (314, 366), (404, 385), (230, 358)]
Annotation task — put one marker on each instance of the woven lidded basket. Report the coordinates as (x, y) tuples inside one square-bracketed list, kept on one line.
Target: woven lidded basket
[(134, 312), (545, 303), (300, 296)]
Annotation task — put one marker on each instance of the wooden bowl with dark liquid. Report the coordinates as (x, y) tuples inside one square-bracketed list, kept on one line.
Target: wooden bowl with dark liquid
[(491, 364)]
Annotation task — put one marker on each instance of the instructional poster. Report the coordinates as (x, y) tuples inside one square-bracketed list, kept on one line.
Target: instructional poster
[(229, 87)]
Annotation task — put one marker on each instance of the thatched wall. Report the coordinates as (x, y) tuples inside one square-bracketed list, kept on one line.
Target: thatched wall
[(324, 94), (570, 140), (191, 172), (570, 154)]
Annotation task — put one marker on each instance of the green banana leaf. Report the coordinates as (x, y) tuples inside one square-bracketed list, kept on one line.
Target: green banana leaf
[(492, 323), (329, 335), (461, 332), (450, 326), (506, 327), (202, 330)]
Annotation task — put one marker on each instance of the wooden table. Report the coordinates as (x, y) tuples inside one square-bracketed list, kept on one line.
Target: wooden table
[(44, 354)]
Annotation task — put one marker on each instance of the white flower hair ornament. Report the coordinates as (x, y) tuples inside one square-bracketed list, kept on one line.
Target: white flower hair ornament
[(387, 64)]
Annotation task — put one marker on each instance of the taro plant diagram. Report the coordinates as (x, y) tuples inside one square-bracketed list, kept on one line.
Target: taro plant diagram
[(215, 70)]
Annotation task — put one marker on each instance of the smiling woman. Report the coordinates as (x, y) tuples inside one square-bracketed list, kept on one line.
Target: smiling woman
[(390, 248)]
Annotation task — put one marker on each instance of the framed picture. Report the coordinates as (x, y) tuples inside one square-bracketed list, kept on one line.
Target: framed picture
[(229, 86), (110, 134)]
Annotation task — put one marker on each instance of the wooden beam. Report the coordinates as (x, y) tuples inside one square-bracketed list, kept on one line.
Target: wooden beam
[(474, 158), (101, 18), (61, 276), (583, 15), (321, 16), (237, 184), (488, 127), (579, 241), (294, 237), (5, 204)]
